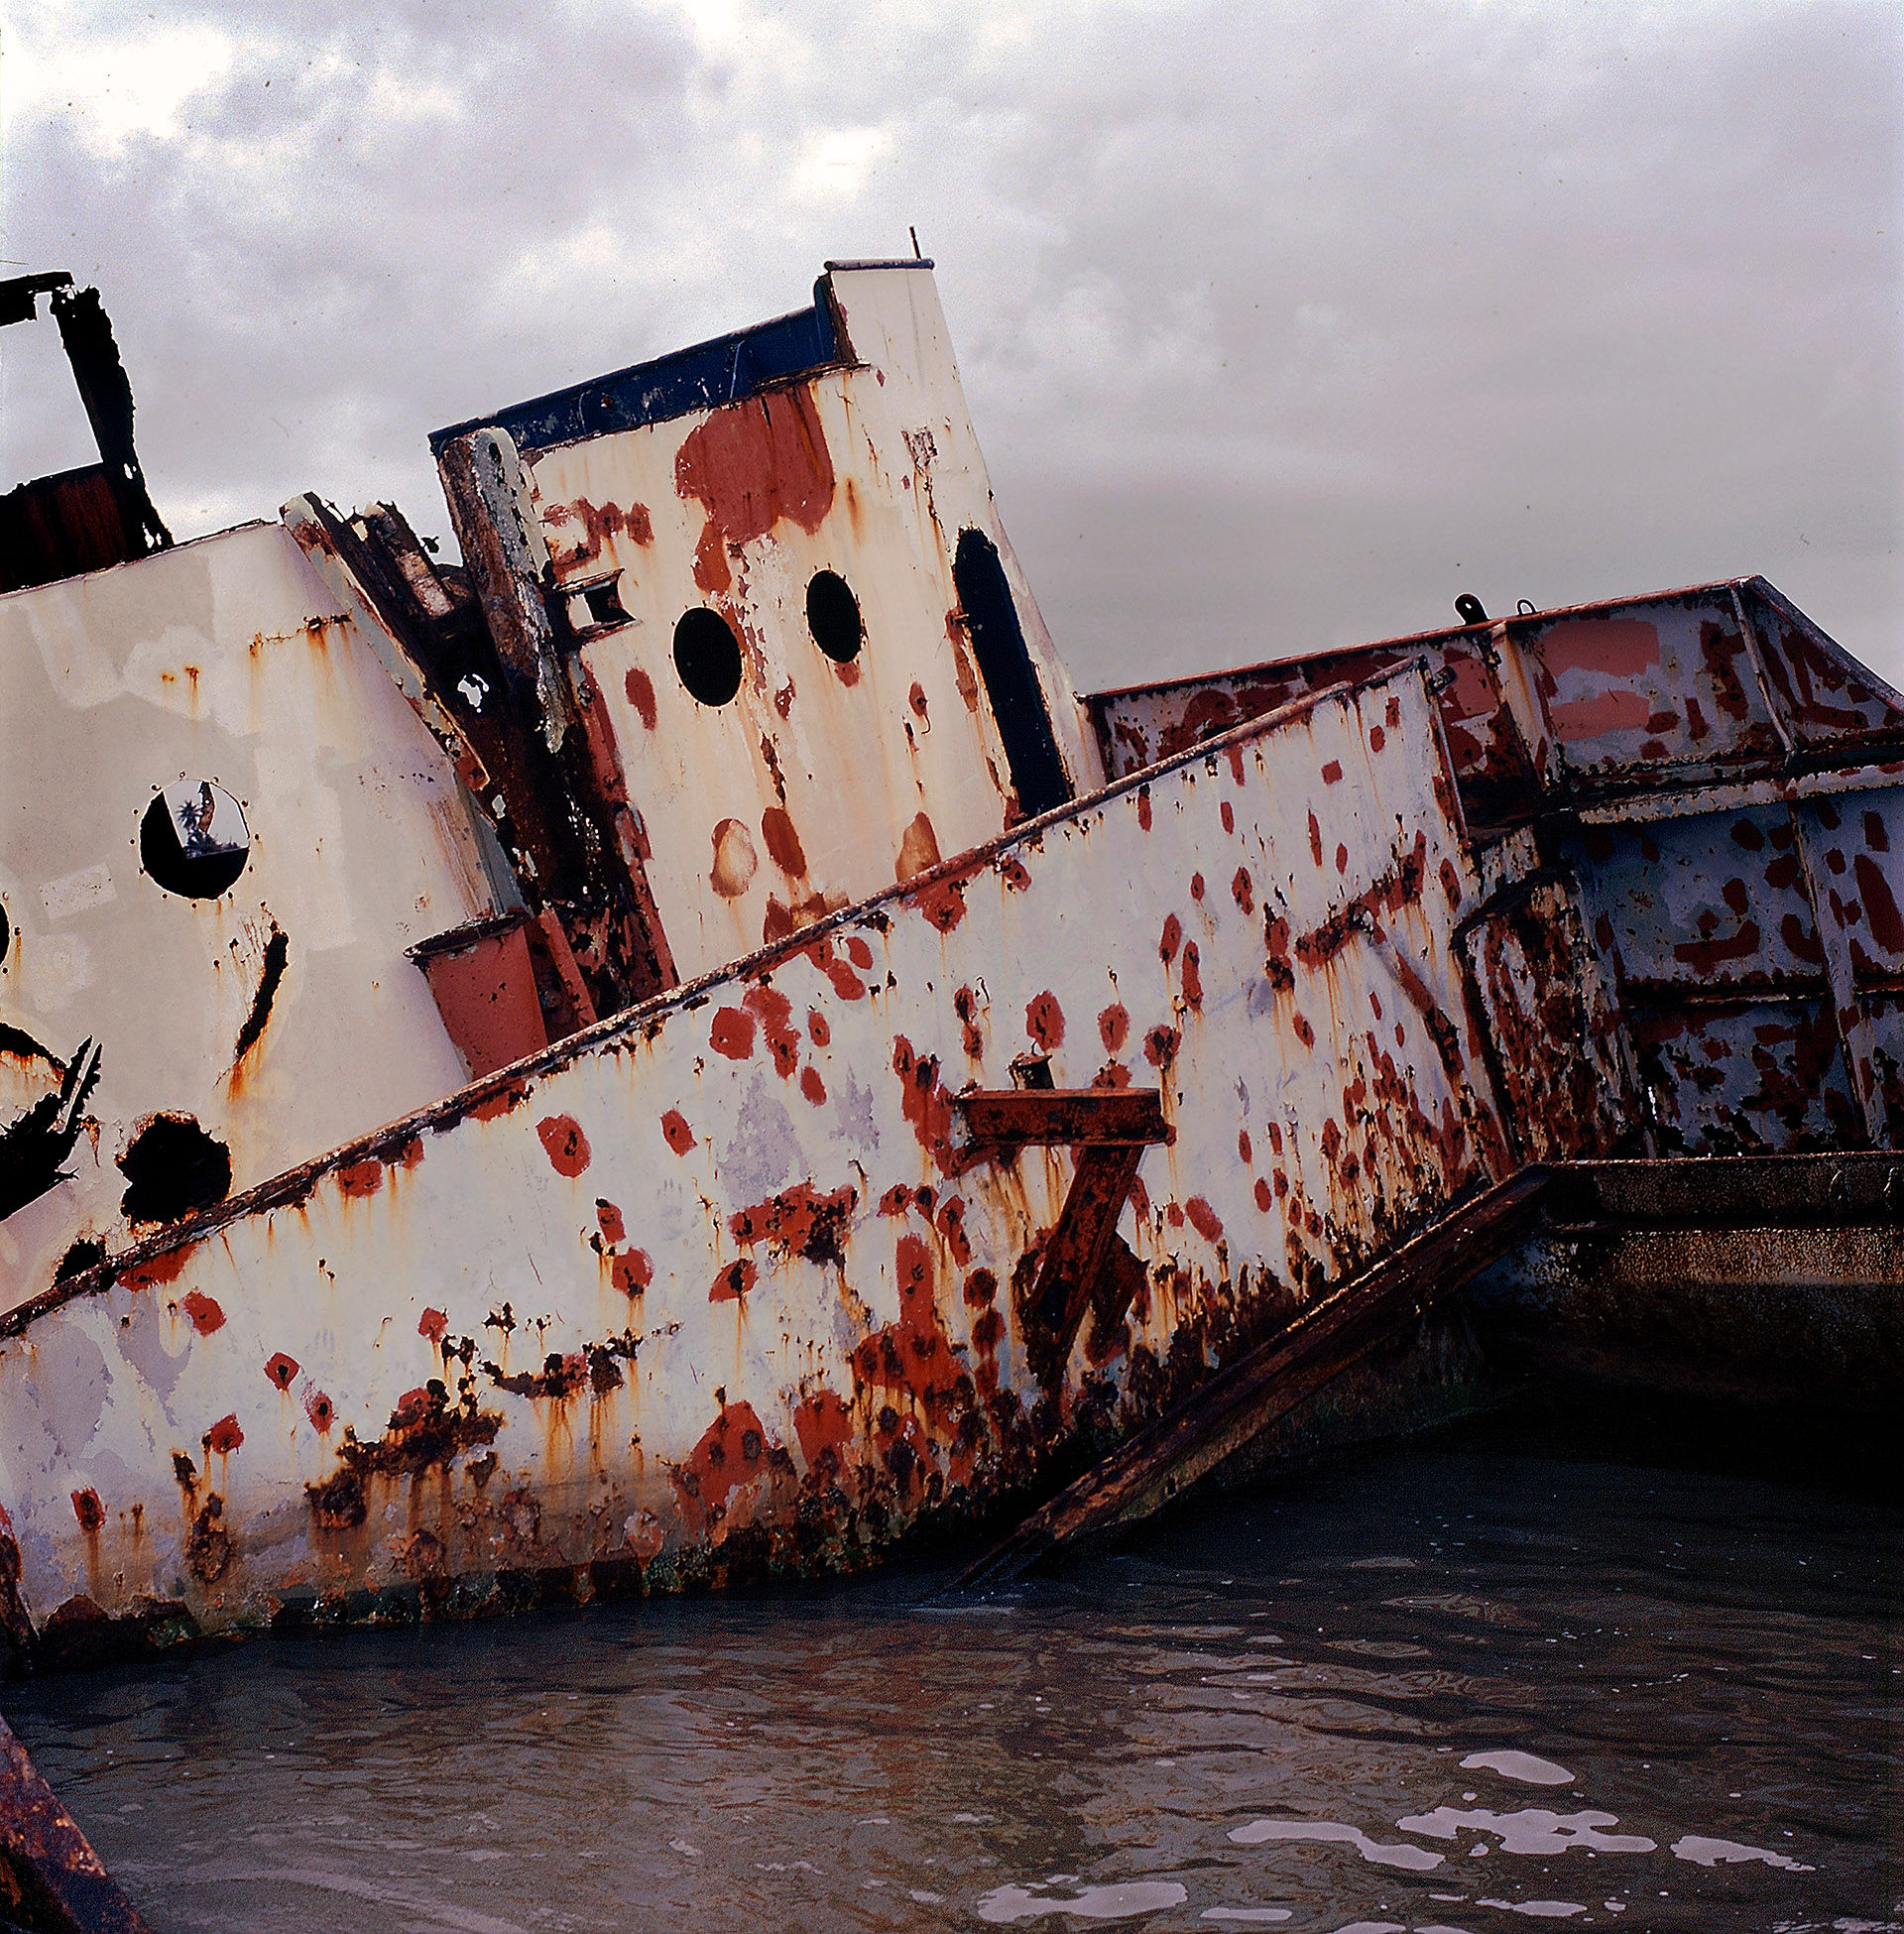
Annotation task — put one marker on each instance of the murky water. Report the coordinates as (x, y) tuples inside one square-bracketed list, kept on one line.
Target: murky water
[(1451, 1688)]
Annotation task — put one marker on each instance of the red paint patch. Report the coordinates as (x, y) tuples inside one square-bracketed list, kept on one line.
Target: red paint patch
[(1243, 890), (1044, 1020), (361, 1177), (1305, 1033), (1144, 808), (608, 1218), (631, 1272), (1170, 939), (1332, 773), (1234, 756), (749, 465), (925, 1104), (799, 1220), (1196, 887), (1341, 859), (640, 688), (224, 1436), (812, 1087), (319, 1409), (1192, 975), (1243, 1152), (281, 1370), (1315, 839), (1227, 817), (732, 1034), (951, 1226), (1012, 871), (734, 1282), (564, 1142), (913, 1355), (202, 1310), (432, 1323), (676, 1132), (775, 1011), (817, 1030), (491, 1106), (823, 1424), (858, 951), (1451, 882), (1113, 1026), (732, 1452), (1266, 1198), (90, 1512), (160, 1271), (1881, 905), (1203, 1219), (1161, 1046)]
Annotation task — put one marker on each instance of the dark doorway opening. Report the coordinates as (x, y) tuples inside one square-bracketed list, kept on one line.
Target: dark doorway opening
[(1004, 663)]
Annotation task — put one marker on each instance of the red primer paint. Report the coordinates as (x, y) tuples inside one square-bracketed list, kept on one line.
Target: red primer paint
[(1144, 808), (608, 1219), (90, 1512), (859, 952), (1612, 648), (1305, 1033), (202, 1310), (432, 1323), (1332, 773), (1244, 1151), (676, 1132), (732, 1034), (775, 1011), (1161, 1046), (1243, 890), (1341, 859), (817, 1028), (281, 1368), (1013, 872), (564, 1142), (751, 465), (160, 1271), (319, 1409), (1451, 882), (491, 1106), (812, 1087), (361, 1177), (1265, 1196), (1227, 817), (782, 840), (640, 688), (732, 1452), (1113, 1026), (951, 1226), (925, 1104), (1172, 938), (224, 1436), (823, 1424), (1192, 975), (734, 1282), (1044, 1020), (1203, 1219), (913, 1355), (799, 1220), (1315, 839), (1112, 1075), (1378, 738), (1881, 905), (631, 1272)]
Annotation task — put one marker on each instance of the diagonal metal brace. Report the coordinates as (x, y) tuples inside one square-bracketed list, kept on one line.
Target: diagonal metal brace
[(1110, 1128)]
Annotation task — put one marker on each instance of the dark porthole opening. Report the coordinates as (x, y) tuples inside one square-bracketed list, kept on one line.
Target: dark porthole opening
[(833, 617), (193, 839), (707, 655)]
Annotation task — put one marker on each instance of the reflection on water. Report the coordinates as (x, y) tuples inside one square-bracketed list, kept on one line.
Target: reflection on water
[(1436, 1689)]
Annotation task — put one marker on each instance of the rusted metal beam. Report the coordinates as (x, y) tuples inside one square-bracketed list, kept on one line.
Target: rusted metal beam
[(1065, 1118), (51, 1879), (1158, 1465)]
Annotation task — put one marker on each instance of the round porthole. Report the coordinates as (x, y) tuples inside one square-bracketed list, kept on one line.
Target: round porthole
[(193, 839), (833, 617), (707, 655)]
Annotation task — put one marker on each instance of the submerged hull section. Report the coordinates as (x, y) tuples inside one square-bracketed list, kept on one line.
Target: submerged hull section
[(719, 1285)]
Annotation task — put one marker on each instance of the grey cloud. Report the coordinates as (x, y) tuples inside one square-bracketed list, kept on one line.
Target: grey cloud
[(1280, 327)]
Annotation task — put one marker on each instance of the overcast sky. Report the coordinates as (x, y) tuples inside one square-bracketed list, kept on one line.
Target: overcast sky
[(1280, 324)]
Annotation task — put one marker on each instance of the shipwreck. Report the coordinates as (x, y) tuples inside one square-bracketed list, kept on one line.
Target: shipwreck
[(680, 1050)]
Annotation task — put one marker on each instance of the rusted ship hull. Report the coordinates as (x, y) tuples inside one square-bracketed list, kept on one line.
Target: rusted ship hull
[(948, 1185)]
